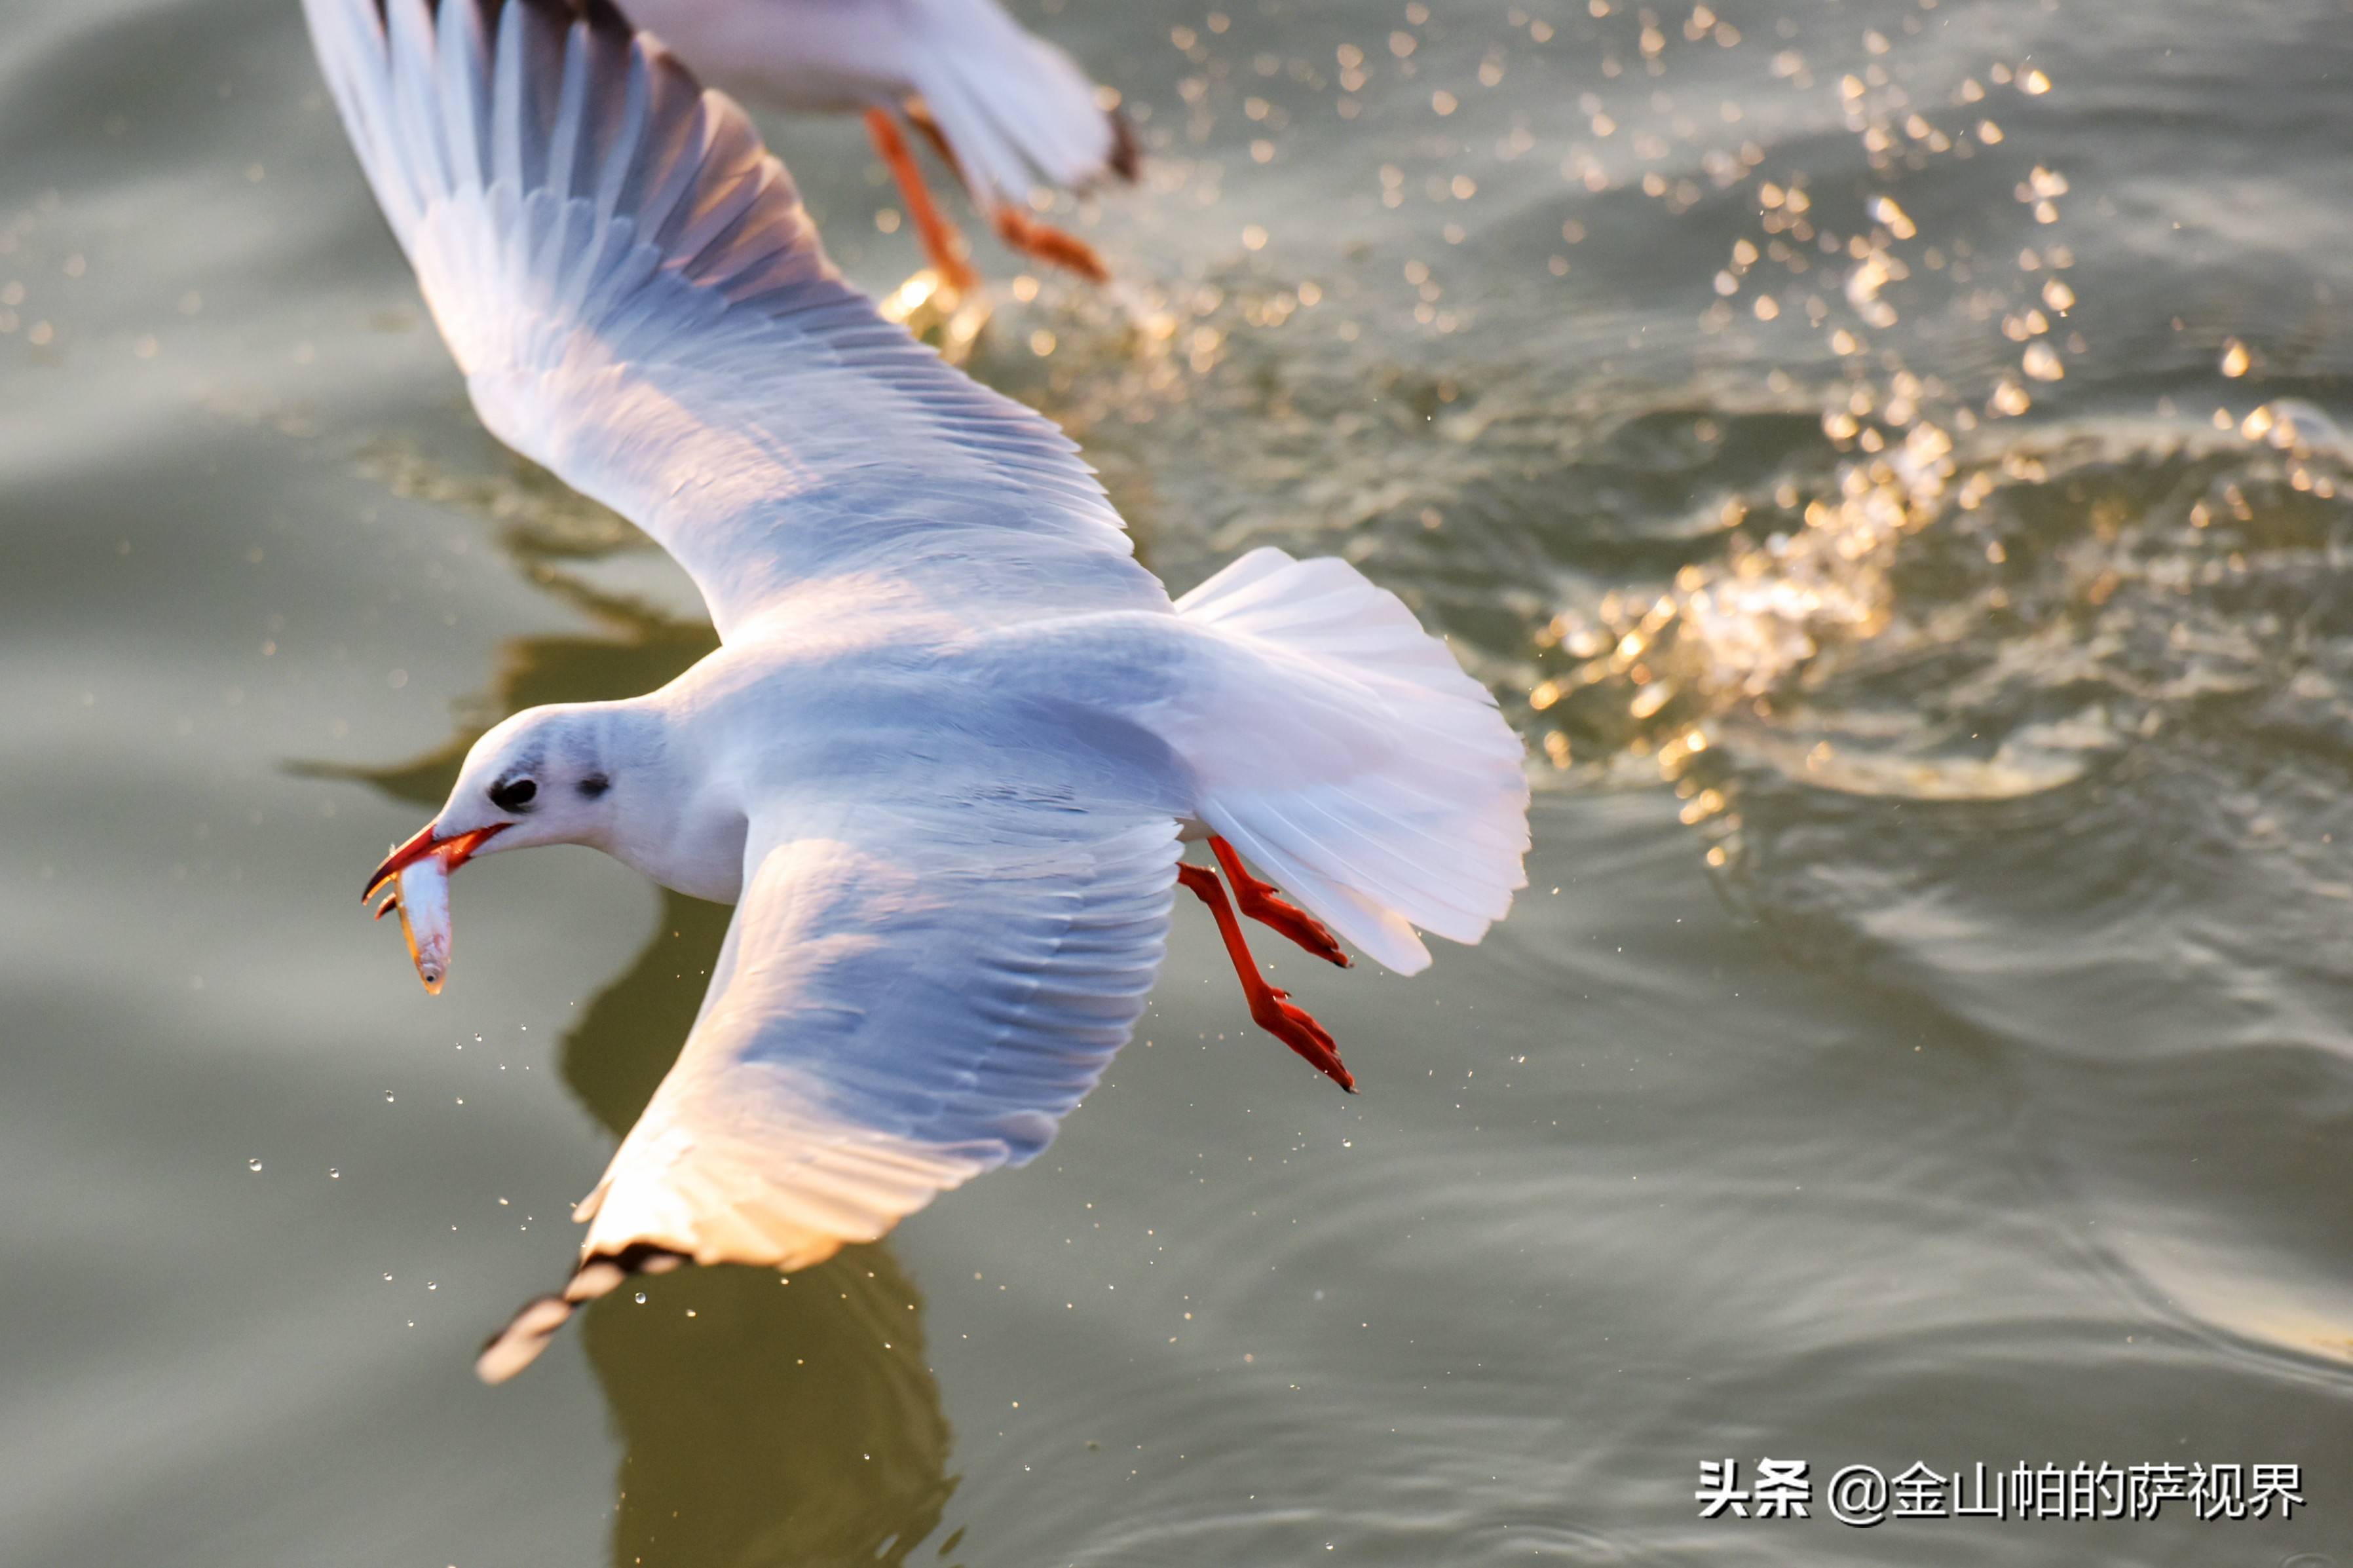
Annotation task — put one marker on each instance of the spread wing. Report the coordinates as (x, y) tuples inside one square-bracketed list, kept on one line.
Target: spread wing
[(913, 997), (639, 302)]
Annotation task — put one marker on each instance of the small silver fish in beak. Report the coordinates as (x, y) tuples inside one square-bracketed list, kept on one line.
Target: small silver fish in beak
[(420, 874), (420, 891)]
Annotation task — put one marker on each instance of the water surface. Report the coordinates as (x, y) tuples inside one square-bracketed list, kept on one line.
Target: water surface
[(1887, 459)]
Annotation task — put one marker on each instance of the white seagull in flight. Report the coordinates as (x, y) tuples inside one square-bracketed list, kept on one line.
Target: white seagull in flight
[(944, 755), (1006, 109)]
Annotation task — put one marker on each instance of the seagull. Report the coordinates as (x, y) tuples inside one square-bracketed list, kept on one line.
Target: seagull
[(954, 737), (1003, 107)]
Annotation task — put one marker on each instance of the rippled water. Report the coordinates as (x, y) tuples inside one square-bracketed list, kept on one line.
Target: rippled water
[(1887, 456)]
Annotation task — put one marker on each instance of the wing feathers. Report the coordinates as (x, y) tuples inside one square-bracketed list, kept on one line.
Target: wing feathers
[(901, 1007), (639, 302), (918, 996)]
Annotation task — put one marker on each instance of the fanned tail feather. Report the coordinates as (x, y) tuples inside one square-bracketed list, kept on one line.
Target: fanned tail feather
[(1015, 108), (1418, 817)]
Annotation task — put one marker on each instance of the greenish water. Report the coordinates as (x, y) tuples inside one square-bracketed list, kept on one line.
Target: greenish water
[(1924, 1037)]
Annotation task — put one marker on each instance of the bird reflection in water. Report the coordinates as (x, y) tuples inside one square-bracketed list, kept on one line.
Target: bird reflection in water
[(766, 1420), (792, 1419)]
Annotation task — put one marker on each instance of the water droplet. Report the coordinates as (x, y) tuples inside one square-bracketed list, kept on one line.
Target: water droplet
[(431, 1285), (253, 1164), (387, 1279), (388, 1097), (334, 1174), (641, 1298)]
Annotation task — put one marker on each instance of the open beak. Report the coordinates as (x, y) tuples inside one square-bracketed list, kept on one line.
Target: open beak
[(454, 851)]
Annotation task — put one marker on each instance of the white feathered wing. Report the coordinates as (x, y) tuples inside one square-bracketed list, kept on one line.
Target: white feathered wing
[(904, 1000), (639, 302)]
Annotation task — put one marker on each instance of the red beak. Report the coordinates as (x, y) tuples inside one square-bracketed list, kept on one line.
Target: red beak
[(454, 851)]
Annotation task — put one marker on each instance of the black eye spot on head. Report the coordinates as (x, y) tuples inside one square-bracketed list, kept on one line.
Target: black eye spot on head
[(513, 794), (595, 785)]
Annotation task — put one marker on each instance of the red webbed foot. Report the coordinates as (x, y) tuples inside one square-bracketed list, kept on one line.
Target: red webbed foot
[(1271, 1009), (1275, 1011), (1259, 900)]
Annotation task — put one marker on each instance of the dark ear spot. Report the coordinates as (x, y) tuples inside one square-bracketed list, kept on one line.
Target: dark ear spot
[(595, 785), (514, 795)]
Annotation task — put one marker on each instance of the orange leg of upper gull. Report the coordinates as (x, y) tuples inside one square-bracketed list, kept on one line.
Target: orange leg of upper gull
[(1272, 1009), (1018, 230), (1056, 247), (943, 246)]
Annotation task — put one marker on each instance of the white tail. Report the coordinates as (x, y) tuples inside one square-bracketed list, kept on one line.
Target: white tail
[(1378, 785), (1009, 102)]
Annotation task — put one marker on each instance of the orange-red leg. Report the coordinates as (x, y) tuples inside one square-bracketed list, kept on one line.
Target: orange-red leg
[(943, 246), (1044, 242), (1270, 1008), (1020, 231), (1260, 902)]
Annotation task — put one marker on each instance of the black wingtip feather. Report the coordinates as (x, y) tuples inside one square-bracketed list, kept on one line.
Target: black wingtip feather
[(1126, 158), (517, 1345), (602, 15)]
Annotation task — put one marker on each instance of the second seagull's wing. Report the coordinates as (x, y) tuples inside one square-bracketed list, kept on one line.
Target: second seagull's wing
[(638, 301)]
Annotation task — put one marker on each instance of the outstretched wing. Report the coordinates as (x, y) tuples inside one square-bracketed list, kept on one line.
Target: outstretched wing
[(639, 302), (903, 1002)]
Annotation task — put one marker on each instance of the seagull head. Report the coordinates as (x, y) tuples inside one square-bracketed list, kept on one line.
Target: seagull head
[(541, 777)]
